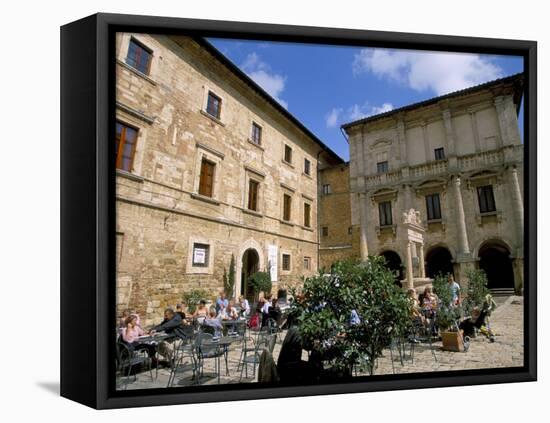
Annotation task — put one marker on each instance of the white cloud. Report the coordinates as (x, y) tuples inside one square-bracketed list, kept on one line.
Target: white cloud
[(333, 117), (262, 74), (422, 71), (338, 115)]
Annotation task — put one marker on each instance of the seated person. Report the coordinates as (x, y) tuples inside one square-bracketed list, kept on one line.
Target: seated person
[(229, 313), (416, 313), (221, 302), (245, 306), (201, 312), (131, 334), (274, 311), (213, 322), (172, 325), (429, 302), (179, 310), (265, 310)]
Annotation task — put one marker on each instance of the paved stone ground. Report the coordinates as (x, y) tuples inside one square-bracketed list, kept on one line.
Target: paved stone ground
[(506, 351)]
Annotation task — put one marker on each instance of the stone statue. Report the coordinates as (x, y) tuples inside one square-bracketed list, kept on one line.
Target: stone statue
[(412, 216)]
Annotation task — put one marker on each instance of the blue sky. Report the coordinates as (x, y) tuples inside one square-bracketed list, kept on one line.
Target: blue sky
[(325, 86)]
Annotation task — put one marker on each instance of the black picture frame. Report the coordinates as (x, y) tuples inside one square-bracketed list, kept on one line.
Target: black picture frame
[(88, 213)]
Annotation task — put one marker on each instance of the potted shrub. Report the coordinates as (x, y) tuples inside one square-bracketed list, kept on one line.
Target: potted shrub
[(349, 316), (192, 298), (258, 282), (447, 315)]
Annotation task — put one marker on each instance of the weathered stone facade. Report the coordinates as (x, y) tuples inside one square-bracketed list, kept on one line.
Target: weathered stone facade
[(162, 218), (338, 238), (466, 149)]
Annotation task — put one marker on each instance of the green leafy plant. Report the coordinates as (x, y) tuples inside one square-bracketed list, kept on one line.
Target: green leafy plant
[(477, 289), (229, 278), (446, 314), (260, 281), (193, 297), (328, 302)]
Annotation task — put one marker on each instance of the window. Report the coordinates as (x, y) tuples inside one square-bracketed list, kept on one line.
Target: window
[(253, 194), (384, 210), (286, 261), (307, 263), (433, 207), (382, 167), (139, 57), (201, 254), (326, 189), (486, 199), (350, 230), (288, 154), (206, 183), (307, 215), (439, 153), (256, 136), (214, 105), (307, 167), (324, 231), (125, 146), (287, 202)]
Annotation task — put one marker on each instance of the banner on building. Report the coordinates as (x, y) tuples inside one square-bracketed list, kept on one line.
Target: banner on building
[(272, 254)]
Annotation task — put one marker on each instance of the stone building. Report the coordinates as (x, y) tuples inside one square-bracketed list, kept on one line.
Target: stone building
[(338, 238), (457, 160), (209, 166)]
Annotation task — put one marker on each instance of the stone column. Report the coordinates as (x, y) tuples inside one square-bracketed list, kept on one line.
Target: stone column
[(410, 276), (517, 201), (422, 267), (363, 211), (460, 218)]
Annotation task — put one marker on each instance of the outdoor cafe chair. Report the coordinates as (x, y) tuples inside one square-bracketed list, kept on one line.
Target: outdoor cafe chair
[(422, 332), (184, 359), (128, 359), (207, 349), (264, 341)]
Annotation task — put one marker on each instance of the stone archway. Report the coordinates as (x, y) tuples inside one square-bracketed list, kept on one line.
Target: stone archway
[(249, 244), (494, 259), (394, 263), (439, 260), (249, 265)]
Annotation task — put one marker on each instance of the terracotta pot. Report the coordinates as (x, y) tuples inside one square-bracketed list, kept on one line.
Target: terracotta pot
[(452, 341)]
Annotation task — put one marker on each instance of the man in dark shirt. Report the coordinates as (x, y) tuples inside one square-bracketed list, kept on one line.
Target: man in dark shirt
[(172, 325)]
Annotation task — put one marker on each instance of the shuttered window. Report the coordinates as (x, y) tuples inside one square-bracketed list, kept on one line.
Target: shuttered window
[(288, 154), (206, 183), (307, 215), (139, 57), (384, 210), (286, 261), (125, 140), (433, 207), (256, 136), (307, 167), (287, 202), (486, 199), (253, 194), (214, 105)]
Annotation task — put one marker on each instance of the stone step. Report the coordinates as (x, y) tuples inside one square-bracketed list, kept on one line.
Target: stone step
[(502, 292)]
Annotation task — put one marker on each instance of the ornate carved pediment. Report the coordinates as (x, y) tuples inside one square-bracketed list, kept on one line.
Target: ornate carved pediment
[(383, 194), (381, 143), (430, 186), (483, 177)]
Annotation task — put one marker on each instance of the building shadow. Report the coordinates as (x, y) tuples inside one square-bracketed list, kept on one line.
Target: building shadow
[(51, 387)]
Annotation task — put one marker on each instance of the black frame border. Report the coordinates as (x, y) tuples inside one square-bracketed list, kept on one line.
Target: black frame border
[(88, 195)]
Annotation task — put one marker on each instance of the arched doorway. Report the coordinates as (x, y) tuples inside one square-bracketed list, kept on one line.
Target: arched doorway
[(393, 261), (439, 260), (494, 259), (250, 265)]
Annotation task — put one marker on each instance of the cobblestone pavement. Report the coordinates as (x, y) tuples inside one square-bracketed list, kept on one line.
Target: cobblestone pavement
[(506, 351)]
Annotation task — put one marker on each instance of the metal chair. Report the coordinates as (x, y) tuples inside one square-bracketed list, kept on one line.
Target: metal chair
[(207, 349), (128, 359), (264, 340), (184, 359), (422, 332)]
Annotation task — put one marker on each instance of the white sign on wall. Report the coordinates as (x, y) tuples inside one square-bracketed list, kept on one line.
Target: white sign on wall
[(199, 256), (272, 255)]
